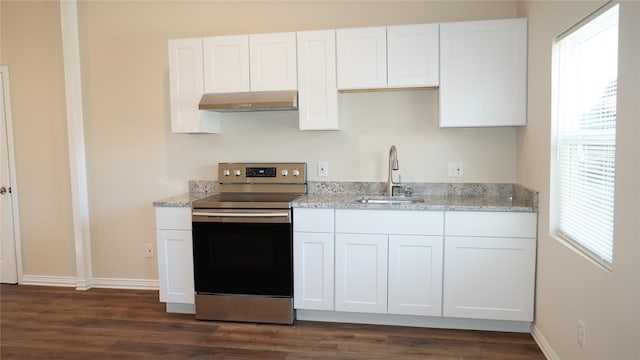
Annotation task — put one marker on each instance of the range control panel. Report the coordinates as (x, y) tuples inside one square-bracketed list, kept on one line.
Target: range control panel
[(262, 173)]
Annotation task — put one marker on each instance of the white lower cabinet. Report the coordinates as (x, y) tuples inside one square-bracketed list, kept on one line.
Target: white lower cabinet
[(175, 255), (389, 262), (313, 259), (415, 275), (455, 264), (489, 270), (361, 273)]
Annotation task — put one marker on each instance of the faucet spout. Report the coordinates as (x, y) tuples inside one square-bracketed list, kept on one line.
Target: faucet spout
[(393, 166)]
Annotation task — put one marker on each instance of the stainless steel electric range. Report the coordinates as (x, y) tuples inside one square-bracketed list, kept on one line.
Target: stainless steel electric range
[(243, 243)]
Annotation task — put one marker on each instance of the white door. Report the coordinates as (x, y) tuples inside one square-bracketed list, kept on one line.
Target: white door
[(362, 58), (8, 263), (272, 62)]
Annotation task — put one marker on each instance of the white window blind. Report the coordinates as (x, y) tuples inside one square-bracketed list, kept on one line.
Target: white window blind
[(586, 135)]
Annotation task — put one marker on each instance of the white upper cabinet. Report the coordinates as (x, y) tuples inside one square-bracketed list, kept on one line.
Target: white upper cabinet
[(483, 73), (260, 62), (227, 64), (413, 55), (186, 88), (273, 61), (388, 57), (317, 89), (362, 58)]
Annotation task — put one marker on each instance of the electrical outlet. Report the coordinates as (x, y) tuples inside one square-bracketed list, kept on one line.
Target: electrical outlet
[(148, 250), (323, 169), (582, 332), (455, 169)]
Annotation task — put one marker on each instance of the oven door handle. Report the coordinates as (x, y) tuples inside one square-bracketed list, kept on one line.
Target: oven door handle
[(253, 215)]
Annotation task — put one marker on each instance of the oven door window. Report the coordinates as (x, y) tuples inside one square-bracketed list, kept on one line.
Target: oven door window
[(243, 258)]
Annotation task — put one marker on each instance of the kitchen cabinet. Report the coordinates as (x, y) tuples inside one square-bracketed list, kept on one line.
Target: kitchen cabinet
[(388, 57), (362, 58), (483, 73), (389, 261), (413, 58), (415, 275), (186, 88), (489, 270), (317, 87), (175, 255), (257, 62), (313, 259), (226, 63)]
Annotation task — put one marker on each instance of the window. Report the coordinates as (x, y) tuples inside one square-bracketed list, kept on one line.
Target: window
[(583, 167)]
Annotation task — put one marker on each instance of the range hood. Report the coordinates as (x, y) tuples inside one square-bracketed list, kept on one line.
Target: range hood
[(250, 101)]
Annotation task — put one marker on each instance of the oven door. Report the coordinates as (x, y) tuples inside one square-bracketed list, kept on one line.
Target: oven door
[(243, 252)]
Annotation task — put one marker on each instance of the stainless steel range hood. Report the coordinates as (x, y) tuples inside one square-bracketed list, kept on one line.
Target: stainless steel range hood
[(250, 101)]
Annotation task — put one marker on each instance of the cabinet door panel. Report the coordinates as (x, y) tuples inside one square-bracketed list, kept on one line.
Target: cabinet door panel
[(398, 222), (483, 73), (361, 273), (173, 218), (415, 275), (413, 55), (175, 266), (313, 220), (186, 88), (313, 270), (317, 87), (498, 224), (226, 64), (489, 278), (362, 58), (273, 62)]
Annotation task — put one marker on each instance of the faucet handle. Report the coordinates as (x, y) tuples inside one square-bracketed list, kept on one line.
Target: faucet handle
[(408, 191)]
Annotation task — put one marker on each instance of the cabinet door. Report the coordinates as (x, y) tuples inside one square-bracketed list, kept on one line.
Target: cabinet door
[(313, 270), (186, 88), (489, 278), (362, 58), (175, 266), (226, 64), (317, 89), (273, 61), (413, 55), (483, 73), (415, 275), (361, 273)]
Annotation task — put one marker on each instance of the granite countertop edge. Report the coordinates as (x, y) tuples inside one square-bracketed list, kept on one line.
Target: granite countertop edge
[(431, 203), (459, 197)]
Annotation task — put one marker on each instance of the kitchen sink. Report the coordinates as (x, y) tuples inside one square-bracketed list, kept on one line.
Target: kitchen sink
[(391, 200)]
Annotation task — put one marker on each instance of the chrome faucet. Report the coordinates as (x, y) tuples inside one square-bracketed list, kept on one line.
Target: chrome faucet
[(393, 165)]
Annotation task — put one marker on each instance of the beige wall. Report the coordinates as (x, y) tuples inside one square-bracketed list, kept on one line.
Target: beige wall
[(134, 160), (569, 287), (31, 47)]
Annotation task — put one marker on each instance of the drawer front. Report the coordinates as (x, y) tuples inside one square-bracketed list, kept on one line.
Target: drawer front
[(494, 224), (389, 222), (313, 220), (173, 218)]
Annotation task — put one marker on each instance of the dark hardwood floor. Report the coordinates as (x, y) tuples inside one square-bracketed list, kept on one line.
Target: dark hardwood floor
[(62, 323)]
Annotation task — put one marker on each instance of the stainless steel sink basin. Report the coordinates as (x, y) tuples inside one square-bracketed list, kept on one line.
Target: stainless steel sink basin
[(391, 200)]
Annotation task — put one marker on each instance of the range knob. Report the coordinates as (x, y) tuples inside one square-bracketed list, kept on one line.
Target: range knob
[(237, 173), (285, 172), (296, 172), (226, 172)]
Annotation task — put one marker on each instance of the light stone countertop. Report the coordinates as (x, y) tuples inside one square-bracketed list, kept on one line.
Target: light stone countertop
[(431, 203), (437, 196)]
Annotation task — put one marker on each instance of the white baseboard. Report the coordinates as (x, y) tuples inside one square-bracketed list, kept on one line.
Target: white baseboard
[(36, 280), (543, 343), (106, 283)]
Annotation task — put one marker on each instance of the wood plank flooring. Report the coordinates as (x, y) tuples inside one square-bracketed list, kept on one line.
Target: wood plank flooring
[(62, 323)]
